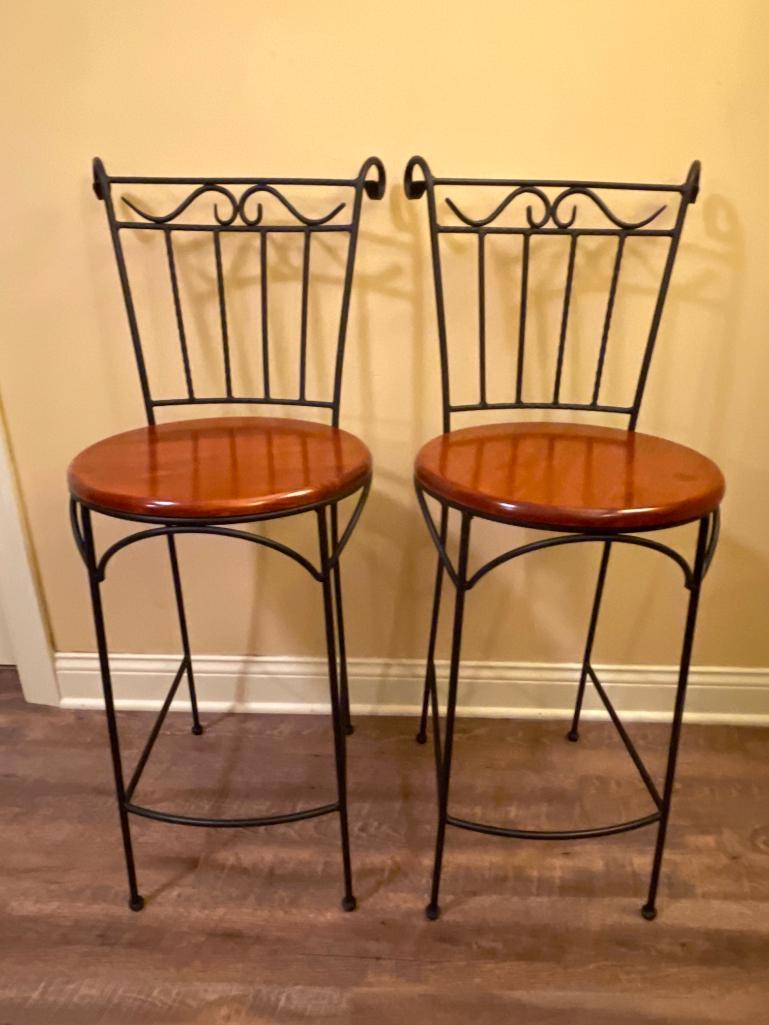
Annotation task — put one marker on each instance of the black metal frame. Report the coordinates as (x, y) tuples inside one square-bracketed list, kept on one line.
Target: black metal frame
[(371, 182), (550, 222)]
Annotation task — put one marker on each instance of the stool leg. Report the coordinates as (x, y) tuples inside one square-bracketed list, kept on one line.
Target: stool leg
[(649, 910), (573, 733), (343, 686), (432, 911), (197, 729), (430, 669), (340, 754), (136, 901)]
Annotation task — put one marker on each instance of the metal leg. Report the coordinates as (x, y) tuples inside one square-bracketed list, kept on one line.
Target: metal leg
[(649, 910), (348, 901), (573, 733), (343, 687), (432, 911), (430, 682), (136, 901), (197, 729)]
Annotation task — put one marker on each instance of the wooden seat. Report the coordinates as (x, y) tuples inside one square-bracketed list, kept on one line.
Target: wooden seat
[(566, 476), (220, 467)]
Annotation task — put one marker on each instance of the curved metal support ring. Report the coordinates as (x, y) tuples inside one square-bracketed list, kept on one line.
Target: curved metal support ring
[(436, 537), (347, 533), (218, 531), (555, 834), (551, 542), (264, 820)]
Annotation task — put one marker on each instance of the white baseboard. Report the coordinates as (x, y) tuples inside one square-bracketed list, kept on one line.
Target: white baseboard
[(394, 687)]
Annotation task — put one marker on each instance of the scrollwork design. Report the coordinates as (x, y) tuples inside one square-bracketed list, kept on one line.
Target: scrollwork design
[(201, 190), (551, 210), (237, 207), (523, 190), (309, 222)]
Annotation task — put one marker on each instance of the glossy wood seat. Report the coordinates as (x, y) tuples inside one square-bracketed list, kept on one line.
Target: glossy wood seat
[(570, 476), (224, 467)]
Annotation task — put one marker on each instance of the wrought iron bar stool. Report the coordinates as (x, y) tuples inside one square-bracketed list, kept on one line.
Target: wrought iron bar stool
[(583, 482), (217, 474)]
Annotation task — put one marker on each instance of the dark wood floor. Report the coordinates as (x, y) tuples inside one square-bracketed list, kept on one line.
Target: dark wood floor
[(244, 927)]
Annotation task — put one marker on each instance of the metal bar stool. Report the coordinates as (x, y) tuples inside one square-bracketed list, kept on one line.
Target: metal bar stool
[(588, 483), (206, 476)]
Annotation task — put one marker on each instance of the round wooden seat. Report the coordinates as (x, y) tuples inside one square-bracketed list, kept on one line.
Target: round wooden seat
[(220, 467), (569, 476)]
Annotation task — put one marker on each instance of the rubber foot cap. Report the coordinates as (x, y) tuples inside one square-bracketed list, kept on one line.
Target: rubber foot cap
[(349, 903), (197, 729), (649, 913), (421, 738), (349, 729), (136, 903), (432, 912), (573, 736)]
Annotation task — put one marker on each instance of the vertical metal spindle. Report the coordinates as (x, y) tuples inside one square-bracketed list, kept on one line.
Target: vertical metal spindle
[(305, 304), (565, 318), (482, 316), (522, 318), (265, 318), (178, 312), (607, 318), (223, 314)]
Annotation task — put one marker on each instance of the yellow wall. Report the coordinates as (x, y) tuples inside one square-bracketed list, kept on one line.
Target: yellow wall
[(588, 89)]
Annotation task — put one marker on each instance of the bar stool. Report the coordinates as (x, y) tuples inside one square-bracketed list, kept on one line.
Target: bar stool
[(581, 482), (216, 474)]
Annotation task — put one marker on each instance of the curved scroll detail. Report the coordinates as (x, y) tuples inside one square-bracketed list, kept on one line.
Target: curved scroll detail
[(523, 190), (200, 191), (581, 190), (237, 207), (309, 222), (551, 208)]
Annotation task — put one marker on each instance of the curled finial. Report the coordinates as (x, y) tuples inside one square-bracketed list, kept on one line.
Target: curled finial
[(100, 179), (417, 189), (374, 187), (692, 184)]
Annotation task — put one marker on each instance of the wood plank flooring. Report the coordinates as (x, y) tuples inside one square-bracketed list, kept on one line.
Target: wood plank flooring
[(244, 927)]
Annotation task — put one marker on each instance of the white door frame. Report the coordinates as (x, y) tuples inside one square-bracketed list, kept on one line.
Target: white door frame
[(20, 599)]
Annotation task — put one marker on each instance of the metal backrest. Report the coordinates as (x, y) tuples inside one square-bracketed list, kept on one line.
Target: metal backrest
[(221, 207), (525, 209)]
